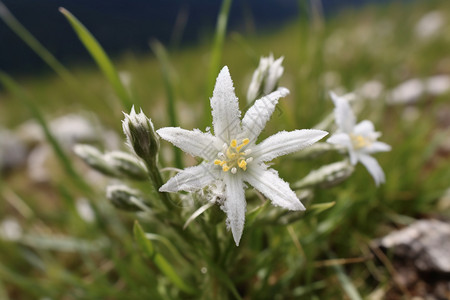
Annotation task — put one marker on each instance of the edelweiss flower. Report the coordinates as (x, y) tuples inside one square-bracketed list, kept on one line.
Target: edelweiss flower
[(232, 157), (360, 139), (265, 78)]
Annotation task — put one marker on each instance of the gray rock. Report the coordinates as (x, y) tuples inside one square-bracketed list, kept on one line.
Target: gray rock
[(426, 243)]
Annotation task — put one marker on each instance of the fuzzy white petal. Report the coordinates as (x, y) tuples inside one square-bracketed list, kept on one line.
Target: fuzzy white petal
[(285, 142), (225, 108), (343, 114), (377, 147), (273, 187), (191, 179), (235, 206), (273, 75), (257, 116), (196, 143), (343, 139), (373, 167), (364, 128)]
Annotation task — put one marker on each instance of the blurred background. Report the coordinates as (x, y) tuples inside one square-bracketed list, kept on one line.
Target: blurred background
[(61, 238), (122, 26)]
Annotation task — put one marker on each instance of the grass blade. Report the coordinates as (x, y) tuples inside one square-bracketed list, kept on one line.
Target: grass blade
[(163, 265), (169, 85), (216, 54), (100, 57), (17, 91), (34, 44), (346, 283)]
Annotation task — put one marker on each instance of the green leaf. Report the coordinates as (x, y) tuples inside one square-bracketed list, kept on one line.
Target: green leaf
[(163, 265), (100, 57), (169, 84), (34, 44), (320, 207), (345, 281)]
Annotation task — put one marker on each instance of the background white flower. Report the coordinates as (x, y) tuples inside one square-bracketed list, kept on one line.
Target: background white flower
[(265, 78), (359, 139), (232, 156)]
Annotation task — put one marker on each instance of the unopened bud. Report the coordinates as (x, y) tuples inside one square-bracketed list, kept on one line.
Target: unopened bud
[(127, 165), (125, 198), (265, 78), (141, 135), (326, 176), (94, 158)]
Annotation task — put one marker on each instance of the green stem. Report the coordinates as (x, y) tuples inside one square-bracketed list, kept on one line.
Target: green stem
[(157, 182)]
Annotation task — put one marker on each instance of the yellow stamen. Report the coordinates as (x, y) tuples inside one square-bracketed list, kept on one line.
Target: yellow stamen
[(231, 158), (360, 141), (243, 165), (244, 142), (231, 155)]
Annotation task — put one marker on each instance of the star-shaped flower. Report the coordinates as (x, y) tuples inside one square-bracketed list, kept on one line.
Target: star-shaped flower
[(360, 139), (232, 157)]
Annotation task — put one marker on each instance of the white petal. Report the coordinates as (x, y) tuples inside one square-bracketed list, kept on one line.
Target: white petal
[(235, 206), (364, 128), (273, 75), (343, 114), (284, 142), (377, 147), (343, 139), (373, 167), (257, 116), (191, 179), (196, 143), (225, 108), (273, 187)]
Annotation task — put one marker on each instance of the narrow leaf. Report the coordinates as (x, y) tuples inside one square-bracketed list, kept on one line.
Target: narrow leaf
[(197, 213), (320, 207), (345, 281), (169, 84), (158, 259), (34, 44), (100, 57)]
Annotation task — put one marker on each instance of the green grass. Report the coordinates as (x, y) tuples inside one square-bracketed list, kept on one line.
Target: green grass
[(274, 261)]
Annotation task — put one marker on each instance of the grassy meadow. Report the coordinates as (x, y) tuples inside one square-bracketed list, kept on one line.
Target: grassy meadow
[(319, 254)]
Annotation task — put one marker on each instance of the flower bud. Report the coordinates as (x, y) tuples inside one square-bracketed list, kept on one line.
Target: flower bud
[(125, 198), (326, 176), (127, 165), (265, 78), (94, 158), (141, 135)]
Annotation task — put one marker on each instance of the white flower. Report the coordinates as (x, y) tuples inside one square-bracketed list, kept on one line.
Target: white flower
[(232, 157), (359, 139), (265, 78), (430, 24)]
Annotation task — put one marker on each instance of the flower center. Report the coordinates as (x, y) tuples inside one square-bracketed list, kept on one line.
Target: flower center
[(232, 159), (360, 141)]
